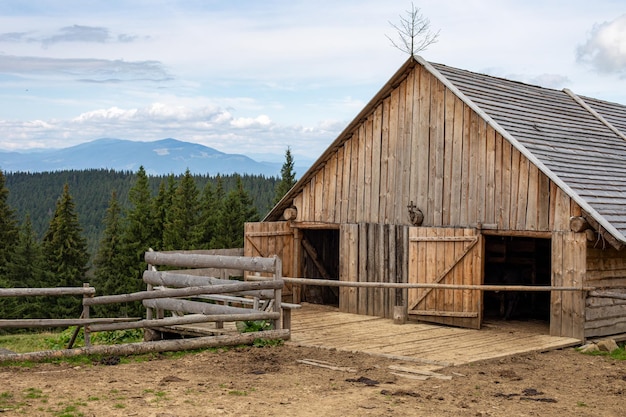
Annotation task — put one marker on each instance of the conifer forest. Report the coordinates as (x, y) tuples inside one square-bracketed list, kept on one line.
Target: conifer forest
[(61, 229)]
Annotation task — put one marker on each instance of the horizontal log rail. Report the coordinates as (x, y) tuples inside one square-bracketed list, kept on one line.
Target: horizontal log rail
[(335, 283), (150, 347), (255, 264), (236, 286), (27, 292), (43, 323), (188, 319), (178, 280)]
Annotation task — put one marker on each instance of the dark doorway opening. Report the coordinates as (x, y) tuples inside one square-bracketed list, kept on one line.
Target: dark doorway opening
[(517, 261), (320, 259)]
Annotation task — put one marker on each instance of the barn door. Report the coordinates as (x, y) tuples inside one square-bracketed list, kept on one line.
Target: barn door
[(446, 256), (267, 239)]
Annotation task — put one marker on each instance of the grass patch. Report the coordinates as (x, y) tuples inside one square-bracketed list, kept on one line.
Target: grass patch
[(618, 354)]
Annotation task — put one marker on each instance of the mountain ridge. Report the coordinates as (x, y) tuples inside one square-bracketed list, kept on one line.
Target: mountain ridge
[(160, 157)]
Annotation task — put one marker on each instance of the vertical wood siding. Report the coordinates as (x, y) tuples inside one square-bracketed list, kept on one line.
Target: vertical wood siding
[(423, 144), (372, 253)]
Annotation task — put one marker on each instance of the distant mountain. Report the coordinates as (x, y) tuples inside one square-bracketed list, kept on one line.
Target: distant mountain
[(162, 157)]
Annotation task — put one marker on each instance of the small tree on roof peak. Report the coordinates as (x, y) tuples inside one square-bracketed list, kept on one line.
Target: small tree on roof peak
[(413, 31)]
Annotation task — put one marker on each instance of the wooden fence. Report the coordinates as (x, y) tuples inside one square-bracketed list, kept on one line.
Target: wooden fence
[(211, 300)]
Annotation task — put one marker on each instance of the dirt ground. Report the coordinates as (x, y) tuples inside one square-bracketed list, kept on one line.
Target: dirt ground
[(269, 381)]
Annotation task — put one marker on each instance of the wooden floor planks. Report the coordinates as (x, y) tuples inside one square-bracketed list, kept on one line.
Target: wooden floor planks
[(326, 327)]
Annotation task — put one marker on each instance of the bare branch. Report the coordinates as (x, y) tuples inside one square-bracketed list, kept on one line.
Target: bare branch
[(413, 32)]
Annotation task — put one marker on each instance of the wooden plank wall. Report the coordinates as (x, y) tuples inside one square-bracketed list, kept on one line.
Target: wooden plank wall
[(372, 253), (272, 238), (423, 144), (606, 270), (567, 313)]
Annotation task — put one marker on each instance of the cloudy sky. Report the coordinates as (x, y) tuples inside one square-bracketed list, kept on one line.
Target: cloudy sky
[(254, 77)]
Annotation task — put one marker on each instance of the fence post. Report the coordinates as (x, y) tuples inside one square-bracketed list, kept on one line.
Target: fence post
[(278, 292), (85, 315)]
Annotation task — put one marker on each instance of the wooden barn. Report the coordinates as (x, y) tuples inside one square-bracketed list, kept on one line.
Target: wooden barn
[(462, 179)]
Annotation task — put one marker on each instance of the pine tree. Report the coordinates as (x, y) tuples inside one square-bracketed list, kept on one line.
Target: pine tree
[(66, 254), (180, 231), (287, 177), (8, 227), (26, 269), (235, 212), (160, 206), (139, 229), (209, 210), (111, 275)]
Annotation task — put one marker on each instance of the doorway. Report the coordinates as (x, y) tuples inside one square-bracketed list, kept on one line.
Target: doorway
[(320, 259), (511, 260)]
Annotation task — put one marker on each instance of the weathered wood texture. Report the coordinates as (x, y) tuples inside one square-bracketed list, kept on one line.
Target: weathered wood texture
[(194, 260), (567, 311), (605, 312), (150, 347), (23, 292), (215, 272), (446, 256), (373, 253), (562, 131), (324, 327), (272, 238), (178, 280), (423, 144)]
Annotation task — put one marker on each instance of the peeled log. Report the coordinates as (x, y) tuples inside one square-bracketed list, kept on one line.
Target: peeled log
[(578, 224), (150, 347)]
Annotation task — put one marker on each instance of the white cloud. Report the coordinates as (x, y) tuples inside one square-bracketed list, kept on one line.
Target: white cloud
[(208, 125), (605, 49)]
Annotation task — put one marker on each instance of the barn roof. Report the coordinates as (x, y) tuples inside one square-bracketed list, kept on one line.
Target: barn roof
[(578, 142)]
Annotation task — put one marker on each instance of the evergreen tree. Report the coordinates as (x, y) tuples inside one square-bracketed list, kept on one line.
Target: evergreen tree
[(287, 177), (139, 230), (8, 227), (235, 212), (26, 269), (111, 275), (66, 254), (209, 209), (161, 205), (180, 231)]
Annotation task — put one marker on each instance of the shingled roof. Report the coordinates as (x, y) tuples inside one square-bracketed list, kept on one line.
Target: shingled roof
[(578, 142)]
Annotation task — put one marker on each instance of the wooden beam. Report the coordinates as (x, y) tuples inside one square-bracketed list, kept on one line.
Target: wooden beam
[(605, 234), (336, 283), (315, 225), (195, 307), (188, 319), (151, 347), (185, 292), (24, 292), (256, 264), (578, 224), (42, 323), (177, 280)]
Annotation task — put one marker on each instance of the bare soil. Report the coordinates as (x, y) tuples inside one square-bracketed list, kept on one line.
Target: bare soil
[(270, 381)]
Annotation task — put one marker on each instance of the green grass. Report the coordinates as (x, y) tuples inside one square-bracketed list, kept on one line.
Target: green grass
[(35, 342), (618, 354), (26, 342)]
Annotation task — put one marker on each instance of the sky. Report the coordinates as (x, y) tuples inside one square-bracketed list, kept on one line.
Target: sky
[(256, 77)]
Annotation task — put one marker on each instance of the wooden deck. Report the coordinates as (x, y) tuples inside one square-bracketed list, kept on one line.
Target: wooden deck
[(433, 345)]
